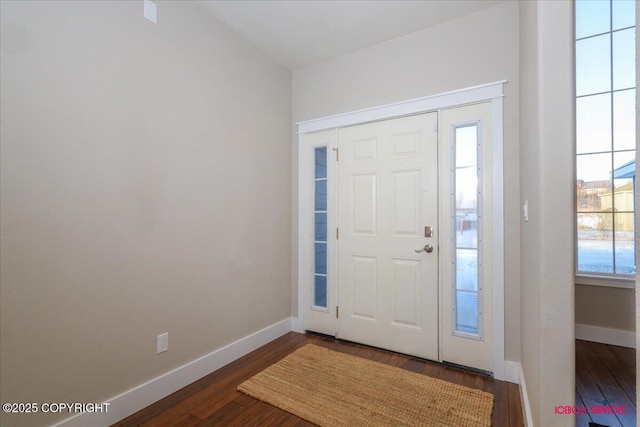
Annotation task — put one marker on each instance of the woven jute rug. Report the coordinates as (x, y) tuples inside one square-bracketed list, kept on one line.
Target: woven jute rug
[(336, 389)]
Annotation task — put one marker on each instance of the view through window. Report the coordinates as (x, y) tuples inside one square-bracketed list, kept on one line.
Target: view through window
[(605, 136)]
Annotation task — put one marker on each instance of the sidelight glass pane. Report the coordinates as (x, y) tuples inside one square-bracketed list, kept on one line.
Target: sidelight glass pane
[(466, 146), (321, 195), (467, 312), (593, 58), (321, 258), (466, 229), (320, 291), (593, 123), (465, 178), (321, 162), (467, 269), (467, 188), (320, 228)]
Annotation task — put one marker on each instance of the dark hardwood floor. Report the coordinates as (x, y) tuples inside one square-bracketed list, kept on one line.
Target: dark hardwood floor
[(214, 400), (605, 384)]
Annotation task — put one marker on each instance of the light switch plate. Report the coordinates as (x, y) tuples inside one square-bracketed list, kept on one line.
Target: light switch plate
[(162, 343)]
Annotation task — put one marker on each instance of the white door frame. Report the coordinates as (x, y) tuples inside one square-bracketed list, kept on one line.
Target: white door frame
[(492, 92)]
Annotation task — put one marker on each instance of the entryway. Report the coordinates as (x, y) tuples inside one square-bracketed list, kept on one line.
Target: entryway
[(398, 235)]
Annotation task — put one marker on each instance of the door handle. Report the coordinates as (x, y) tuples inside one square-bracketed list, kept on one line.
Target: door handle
[(427, 248)]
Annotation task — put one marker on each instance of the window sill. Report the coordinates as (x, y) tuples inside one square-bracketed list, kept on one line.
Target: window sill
[(608, 282)]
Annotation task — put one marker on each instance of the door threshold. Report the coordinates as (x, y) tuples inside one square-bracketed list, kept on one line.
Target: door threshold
[(445, 363), (468, 368)]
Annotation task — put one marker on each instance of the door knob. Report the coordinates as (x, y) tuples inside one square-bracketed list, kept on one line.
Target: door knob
[(427, 248)]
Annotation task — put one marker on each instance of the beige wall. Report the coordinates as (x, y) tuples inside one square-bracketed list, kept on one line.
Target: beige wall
[(476, 49), (547, 175), (530, 231), (605, 307), (146, 175)]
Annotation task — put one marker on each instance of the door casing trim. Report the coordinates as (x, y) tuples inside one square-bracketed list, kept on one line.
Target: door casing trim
[(491, 92)]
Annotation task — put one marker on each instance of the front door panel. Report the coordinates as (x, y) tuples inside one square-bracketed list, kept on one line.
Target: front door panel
[(387, 196)]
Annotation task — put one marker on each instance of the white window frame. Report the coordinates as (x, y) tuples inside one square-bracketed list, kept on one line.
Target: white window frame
[(611, 280)]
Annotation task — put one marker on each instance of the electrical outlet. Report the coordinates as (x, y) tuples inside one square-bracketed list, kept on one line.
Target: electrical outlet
[(162, 343)]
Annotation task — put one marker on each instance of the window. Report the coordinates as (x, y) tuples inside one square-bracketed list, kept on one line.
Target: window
[(605, 137), (320, 229), (466, 202)]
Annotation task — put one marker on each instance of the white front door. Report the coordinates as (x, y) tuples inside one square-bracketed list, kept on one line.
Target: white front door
[(388, 235), (402, 244)]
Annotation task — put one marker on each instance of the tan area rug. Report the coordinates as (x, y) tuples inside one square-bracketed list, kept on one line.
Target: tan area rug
[(336, 389)]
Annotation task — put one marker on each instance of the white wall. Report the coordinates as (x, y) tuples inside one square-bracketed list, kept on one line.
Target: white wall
[(476, 49), (145, 183), (547, 174)]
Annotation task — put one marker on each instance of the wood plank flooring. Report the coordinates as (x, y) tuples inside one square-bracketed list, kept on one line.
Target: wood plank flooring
[(605, 384), (214, 400)]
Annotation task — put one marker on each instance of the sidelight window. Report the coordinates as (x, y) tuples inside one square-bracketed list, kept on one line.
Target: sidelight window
[(466, 201), (320, 228)]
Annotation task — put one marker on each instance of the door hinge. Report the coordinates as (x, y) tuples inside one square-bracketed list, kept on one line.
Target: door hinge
[(337, 233), (337, 153), (337, 311)]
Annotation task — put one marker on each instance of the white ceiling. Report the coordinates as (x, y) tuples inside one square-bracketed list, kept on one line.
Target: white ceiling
[(297, 33)]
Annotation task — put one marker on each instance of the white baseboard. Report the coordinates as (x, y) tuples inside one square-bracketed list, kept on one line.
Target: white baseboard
[(140, 397), (606, 335), (524, 398)]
